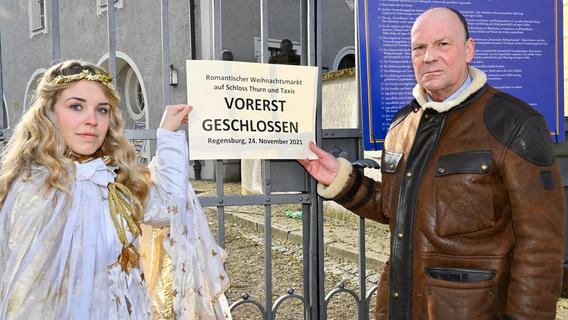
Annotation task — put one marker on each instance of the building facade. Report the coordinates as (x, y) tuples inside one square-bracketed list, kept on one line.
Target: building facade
[(26, 29), (28, 45)]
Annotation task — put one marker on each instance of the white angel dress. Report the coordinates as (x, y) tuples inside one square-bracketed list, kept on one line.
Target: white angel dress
[(58, 252)]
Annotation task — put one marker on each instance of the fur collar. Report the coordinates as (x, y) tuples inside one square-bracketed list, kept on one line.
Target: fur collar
[(478, 78)]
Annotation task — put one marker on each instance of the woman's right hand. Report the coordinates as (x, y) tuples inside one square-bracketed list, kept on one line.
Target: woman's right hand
[(324, 169), (174, 116)]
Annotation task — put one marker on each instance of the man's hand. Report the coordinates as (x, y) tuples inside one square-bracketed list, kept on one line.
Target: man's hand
[(174, 116), (324, 169)]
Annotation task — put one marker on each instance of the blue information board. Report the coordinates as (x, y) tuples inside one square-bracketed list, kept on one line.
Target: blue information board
[(517, 43)]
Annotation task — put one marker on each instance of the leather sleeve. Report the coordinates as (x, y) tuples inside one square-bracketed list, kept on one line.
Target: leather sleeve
[(536, 197), (362, 196)]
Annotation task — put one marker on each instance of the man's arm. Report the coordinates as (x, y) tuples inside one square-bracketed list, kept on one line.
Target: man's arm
[(339, 181), (354, 191), (536, 197)]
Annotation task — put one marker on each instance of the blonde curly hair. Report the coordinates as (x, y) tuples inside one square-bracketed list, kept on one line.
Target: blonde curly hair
[(35, 139)]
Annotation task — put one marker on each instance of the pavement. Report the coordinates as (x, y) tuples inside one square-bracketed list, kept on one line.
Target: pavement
[(340, 237)]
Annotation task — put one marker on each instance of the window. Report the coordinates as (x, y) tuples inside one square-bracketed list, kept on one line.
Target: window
[(348, 61), (344, 59), (133, 95), (37, 17), (140, 104), (103, 4)]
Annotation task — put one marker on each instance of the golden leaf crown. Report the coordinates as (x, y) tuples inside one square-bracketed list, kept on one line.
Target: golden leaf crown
[(103, 78)]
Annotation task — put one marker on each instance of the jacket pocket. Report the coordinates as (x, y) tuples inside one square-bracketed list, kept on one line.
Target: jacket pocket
[(464, 192), (460, 274), (390, 181), (455, 293)]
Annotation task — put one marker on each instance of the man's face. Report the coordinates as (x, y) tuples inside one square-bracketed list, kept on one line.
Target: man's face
[(440, 52)]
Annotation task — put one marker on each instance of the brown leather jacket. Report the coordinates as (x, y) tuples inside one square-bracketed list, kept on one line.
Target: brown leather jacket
[(475, 205)]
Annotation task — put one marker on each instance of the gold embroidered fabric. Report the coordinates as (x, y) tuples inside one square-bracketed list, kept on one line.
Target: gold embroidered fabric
[(158, 271), (126, 212)]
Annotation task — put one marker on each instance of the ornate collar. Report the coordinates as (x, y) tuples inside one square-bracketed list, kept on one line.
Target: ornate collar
[(87, 158)]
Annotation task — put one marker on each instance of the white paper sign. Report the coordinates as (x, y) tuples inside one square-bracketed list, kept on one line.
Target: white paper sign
[(247, 110)]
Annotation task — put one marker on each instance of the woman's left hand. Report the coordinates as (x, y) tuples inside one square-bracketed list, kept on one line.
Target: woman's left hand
[(174, 116)]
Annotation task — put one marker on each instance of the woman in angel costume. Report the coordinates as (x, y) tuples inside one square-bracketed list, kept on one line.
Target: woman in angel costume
[(72, 200)]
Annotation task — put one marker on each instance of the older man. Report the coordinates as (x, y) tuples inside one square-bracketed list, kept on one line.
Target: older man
[(470, 189)]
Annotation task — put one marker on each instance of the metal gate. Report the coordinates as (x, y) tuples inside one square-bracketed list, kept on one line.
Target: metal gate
[(284, 182)]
